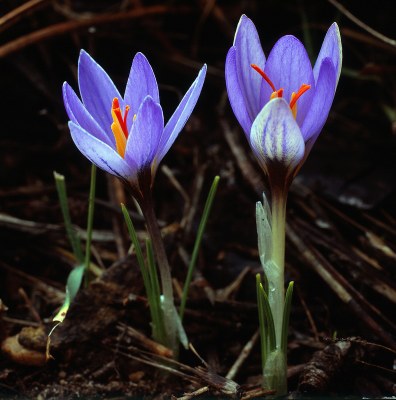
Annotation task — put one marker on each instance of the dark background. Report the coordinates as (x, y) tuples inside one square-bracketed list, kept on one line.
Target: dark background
[(342, 203)]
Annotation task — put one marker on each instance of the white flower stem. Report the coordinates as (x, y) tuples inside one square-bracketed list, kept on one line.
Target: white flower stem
[(276, 292), (275, 370)]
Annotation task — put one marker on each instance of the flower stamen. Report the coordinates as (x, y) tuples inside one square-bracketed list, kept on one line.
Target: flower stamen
[(296, 96), (264, 75), (279, 93), (119, 126)]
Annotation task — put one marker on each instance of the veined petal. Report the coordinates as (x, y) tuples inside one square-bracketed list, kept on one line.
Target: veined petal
[(236, 96), (289, 67), (97, 90), (142, 144), (276, 138), (100, 154), (181, 115), (331, 48), (79, 115), (321, 103), (248, 51), (141, 83)]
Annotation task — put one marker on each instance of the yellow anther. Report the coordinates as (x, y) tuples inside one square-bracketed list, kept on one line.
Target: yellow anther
[(119, 126)]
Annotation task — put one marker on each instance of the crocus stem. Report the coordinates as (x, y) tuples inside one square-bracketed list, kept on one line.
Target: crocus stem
[(164, 269), (276, 293), (275, 374)]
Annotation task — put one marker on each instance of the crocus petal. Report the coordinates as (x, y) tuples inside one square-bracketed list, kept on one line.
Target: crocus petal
[(248, 51), (141, 83), (181, 115), (331, 48), (79, 115), (320, 108), (97, 90), (99, 153), (236, 94), (288, 66), (142, 144), (276, 137)]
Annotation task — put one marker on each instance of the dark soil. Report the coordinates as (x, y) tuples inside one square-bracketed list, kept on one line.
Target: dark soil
[(341, 247)]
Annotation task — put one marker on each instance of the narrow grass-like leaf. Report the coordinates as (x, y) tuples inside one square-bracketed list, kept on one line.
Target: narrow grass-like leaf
[(197, 244), (91, 208), (75, 277), (265, 282), (181, 333), (154, 281), (136, 245), (286, 316), (268, 319), (150, 279), (158, 319), (64, 204), (72, 286), (134, 239), (140, 259), (154, 296), (262, 330)]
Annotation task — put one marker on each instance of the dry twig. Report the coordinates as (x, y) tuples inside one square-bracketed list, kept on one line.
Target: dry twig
[(338, 284), (360, 23), (72, 26), (243, 356)]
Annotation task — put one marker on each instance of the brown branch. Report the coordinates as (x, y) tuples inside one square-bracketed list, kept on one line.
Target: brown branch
[(71, 26), (323, 366), (360, 23), (243, 356), (245, 165), (147, 343), (18, 12), (338, 284)]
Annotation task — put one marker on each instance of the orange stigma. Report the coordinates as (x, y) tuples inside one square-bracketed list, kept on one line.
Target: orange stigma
[(296, 96), (119, 126), (264, 75), (279, 93)]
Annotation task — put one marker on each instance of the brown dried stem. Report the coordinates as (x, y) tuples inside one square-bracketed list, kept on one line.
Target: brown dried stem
[(71, 26)]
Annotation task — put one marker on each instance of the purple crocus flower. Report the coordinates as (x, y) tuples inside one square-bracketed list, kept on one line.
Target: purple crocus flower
[(124, 135), (281, 102)]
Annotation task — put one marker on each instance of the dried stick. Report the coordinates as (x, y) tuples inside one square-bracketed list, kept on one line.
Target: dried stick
[(29, 305), (324, 364), (40, 228), (243, 356), (193, 375), (195, 393), (17, 13), (248, 171), (358, 22), (337, 249), (71, 26), (338, 284), (193, 206), (309, 315), (147, 343), (256, 393), (51, 291)]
